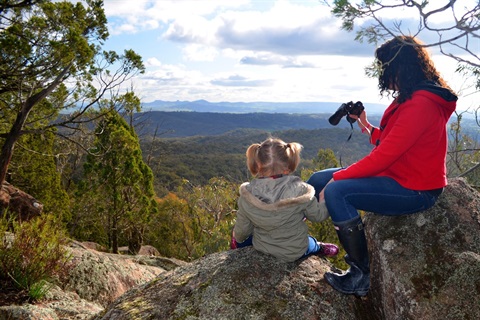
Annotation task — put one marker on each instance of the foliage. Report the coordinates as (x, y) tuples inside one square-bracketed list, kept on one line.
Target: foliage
[(463, 154), (51, 61), (33, 170), (34, 256), (195, 220), (192, 158), (325, 159), (118, 185)]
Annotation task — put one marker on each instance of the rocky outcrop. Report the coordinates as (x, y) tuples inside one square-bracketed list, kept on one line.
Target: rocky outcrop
[(95, 280), (18, 204), (237, 284), (424, 266)]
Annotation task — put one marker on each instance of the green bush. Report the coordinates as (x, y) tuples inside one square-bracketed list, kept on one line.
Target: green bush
[(34, 256)]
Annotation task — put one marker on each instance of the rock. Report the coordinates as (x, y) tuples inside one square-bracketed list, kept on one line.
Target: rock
[(427, 265), (148, 250), (424, 266), (94, 246), (19, 205), (95, 280), (145, 250), (103, 277), (237, 284)]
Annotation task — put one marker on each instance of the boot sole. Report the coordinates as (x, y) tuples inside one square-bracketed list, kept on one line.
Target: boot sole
[(331, 282)]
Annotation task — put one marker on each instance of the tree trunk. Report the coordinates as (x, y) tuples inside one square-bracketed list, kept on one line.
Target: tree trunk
[(115, 236), (17, 127)]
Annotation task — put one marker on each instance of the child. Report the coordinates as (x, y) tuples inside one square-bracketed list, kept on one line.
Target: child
[(272, 208)]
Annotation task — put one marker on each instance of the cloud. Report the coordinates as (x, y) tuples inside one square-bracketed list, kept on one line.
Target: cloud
[(285, 30), (241, 50), (240, 81), (266, 59), (153, 62)]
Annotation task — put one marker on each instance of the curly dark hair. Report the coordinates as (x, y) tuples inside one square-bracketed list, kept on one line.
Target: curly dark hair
[(405, 63)]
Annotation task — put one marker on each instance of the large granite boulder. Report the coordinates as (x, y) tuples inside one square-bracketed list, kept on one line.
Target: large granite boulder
[(237, 284), (427, 265)]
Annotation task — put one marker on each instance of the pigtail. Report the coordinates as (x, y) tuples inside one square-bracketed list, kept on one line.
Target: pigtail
[(252, 158), (293, 150)]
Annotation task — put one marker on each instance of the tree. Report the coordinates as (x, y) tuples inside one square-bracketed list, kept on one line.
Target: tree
[(458, 40), (325, 159), (463, 157), (119, 183), (196, 220), (34, 170), (51, 61)]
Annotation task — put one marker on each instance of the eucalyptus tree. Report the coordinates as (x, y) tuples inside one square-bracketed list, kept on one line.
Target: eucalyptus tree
[(118, 184), (457, 36), (53, 69)]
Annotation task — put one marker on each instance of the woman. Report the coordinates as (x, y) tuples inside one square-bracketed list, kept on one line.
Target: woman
[(406, 171)]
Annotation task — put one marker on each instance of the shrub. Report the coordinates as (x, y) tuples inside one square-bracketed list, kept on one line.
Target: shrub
[(35, 256)]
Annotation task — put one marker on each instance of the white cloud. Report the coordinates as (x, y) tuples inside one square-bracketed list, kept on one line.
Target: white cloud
[(153, 62), (239, 50), (196, 52)]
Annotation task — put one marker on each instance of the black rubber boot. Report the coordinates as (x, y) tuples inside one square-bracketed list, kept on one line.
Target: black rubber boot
[(356, 280)]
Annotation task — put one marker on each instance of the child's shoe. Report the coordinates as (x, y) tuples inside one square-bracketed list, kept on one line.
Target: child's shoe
[(233, 243), (327, 249)]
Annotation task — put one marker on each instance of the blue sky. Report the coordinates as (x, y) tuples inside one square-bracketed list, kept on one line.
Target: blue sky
[(257, 50)]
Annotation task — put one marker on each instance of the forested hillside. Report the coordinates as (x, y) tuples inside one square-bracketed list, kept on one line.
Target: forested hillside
[(198, 146), (184, 124), (200, 158)]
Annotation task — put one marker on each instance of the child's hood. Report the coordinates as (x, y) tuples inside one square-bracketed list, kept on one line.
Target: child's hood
[(274, 200)]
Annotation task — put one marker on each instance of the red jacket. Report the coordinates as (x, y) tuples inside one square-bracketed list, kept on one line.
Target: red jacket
[(411, 143)]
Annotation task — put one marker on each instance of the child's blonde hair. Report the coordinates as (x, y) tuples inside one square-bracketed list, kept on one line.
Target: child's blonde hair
[(273, 156)]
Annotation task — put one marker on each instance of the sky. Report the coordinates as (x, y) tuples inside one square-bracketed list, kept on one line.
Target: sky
[(260, 50)]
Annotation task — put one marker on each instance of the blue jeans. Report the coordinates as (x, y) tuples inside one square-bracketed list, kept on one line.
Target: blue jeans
[(313, 246), (381, 195)]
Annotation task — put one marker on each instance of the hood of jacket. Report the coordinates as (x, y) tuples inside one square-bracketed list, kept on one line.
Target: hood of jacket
[(272, 194), (436, 89), (273, 199)]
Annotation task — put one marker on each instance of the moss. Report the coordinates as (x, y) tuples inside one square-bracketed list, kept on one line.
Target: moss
[(136, 308)]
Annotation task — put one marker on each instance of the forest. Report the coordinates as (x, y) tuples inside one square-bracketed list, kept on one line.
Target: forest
[(81, 160)]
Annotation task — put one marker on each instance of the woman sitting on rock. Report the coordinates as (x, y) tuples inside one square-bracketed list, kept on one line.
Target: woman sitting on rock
[(406, 171)]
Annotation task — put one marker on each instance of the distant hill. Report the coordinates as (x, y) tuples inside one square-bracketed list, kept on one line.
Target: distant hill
[(186, 124), (170, 124), (255, 107)]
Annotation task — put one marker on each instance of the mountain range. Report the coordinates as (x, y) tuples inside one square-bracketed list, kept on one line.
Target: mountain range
[(254, 107)]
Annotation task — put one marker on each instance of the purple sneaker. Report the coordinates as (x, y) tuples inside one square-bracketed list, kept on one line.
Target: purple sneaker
[(327, 249)]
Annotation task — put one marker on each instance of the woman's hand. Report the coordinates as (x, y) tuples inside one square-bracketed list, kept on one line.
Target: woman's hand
[(321, 196), (362, 121)]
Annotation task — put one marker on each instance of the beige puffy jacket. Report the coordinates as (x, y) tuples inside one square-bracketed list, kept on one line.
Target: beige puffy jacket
[(273, 210)]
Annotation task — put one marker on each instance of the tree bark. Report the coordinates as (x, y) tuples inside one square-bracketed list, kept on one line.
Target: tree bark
[(16, 130)]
